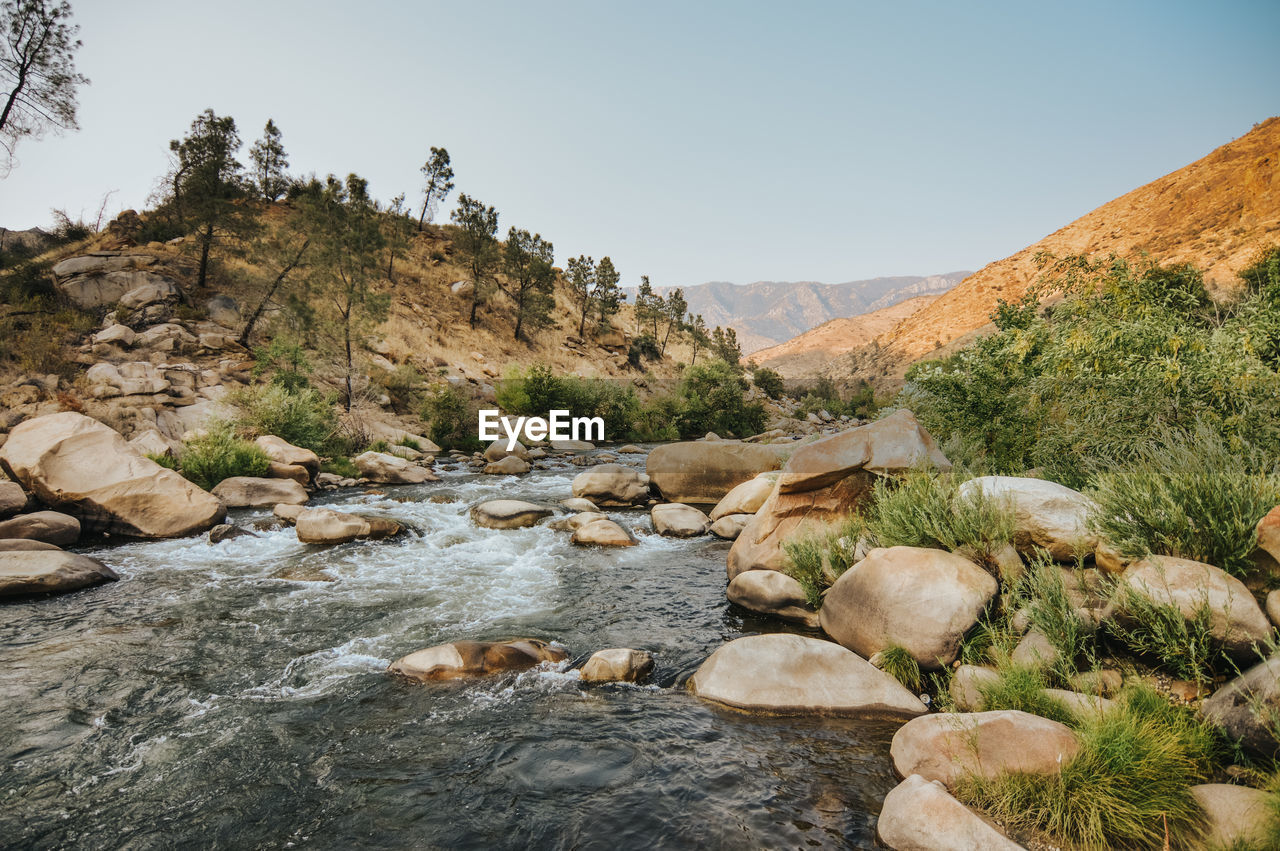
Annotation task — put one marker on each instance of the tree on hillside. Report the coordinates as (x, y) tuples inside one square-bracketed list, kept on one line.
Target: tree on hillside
[(347, 255), (724, 342), (650, 308), (279, 252), (529, 263), (270, 163), (207, 184), (37, 70), (397, 225), (698, 338), (606, 295), (477, 243), (439, 176), (674, 309), (581, 274)]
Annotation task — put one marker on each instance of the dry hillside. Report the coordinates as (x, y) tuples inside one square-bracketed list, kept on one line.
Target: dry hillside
[(1216, 213)]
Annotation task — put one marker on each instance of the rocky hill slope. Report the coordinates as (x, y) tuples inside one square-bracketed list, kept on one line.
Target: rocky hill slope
[(1217, 213)]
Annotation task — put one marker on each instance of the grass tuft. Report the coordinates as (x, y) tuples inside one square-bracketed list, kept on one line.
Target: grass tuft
[(897, 662), (923, 509)]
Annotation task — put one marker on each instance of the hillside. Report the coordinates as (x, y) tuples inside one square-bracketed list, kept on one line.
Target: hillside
[(1217, 213), (805, 356), (767, 313)]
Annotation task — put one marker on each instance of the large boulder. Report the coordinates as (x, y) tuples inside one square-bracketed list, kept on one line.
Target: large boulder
[(48, 571), (745, 498), (920, 815), (510, 465), (612, 485), (386, 469), (1234, 816), (1247, 707), (923, 600), (72, 462), (950, 745), (730, 527), (508, 514), (673, 520), (1268, 532), (50, 527), (826, 480), (12, 498), (283, 452), (967, 684), (704, 472), (326, 526), (772, 593), (98, 281), (1047, 515), (476, 658), (617, 665), (253, 492), (1235, 618), (498, 450), (793, 675), (600, 531)]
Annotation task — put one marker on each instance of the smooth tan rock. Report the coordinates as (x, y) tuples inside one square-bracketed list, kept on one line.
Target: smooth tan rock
[(923, 600), (497, 450), (826, 480), (292, 472), (13, 498), (621, 665), (69, 460), (1048, 515), (730, 527), (50, 527), (1236, 620), (920, 815), (1078, 704), (1109, 559), (1273, 607), (326, 526), (602, 532), (508, 514), (12, 545), (49, 572), (576, 504), (1035, 650), (253, 492), (967, 684), (787, 674), (704, 472), (1234, 816), (152, 443), (611, 485), (673, 520), (1246, 708), (1268, 532), (772, 593), (386, 469), (630, 449), (745, 498), (508, 466), (573, 522), (950, 745), (475, 659), (288, 512), (283, 452)]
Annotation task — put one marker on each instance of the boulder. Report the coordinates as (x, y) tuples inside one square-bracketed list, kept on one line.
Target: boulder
[(253, 492), (1268, 532), (287, 512), (326, 526), (1078, 704), (730, 527), (1234, 816), (386, 469), (612, 485), (511, 465), (1235, 619), (293, 472), (949, 745), (630, 449), (967, 683), (1047, 515), (826, 480), (224, 310), (618, 665), (476, 658), (12, 498), (1273, 607), (923, 600), (1246, 708), (673, 520), (772, 593), (152, 443), (13, 545), (787, 674), (508, 514), (50, 527), (283, 452), (602, 532), (920, 815), (704, 472), (227, 532), (497, 450), (572, 445), (1103, 683), (745, 498), (574, 522), (108, 380), (117, 333), (1035, 650), (579, 505), (48, 571), (68, 460), (91, 281)]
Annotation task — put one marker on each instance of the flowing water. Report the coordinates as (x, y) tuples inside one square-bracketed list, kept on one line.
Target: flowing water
[(212, 697)]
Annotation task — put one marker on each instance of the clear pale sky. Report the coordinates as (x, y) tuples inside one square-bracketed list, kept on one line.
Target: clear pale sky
[(691, 141)]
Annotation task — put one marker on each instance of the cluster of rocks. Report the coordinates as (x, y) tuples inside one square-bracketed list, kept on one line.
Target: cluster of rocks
[(465, 659)]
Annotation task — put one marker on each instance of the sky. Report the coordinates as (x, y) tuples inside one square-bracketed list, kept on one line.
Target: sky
[(689, 141)]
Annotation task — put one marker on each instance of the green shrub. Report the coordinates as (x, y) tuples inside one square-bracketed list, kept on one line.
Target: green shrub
[(221, 454), (642, 348), (1023, 688), (378, 446), (166, 461), (712, 398), (818, 558), (340, 465), (1133, 772), (897, 662), (768, 381), (1043, 591), (539, 390), (1184, 647), (409, 443), (301, 415), (1188, 496), (451, 418), (924, 509), (285, 362)]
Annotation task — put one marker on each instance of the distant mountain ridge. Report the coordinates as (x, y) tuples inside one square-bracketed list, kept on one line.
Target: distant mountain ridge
[(767, 313)]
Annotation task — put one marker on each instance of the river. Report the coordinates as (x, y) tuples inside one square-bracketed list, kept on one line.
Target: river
[(212, 698)]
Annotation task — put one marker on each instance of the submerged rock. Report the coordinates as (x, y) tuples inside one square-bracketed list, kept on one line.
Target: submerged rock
[(619, 664), (508, 514), (476, 658), (49, 571)]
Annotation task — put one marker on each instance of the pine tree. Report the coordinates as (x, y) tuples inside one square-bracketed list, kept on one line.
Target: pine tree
[(698, 338), (477, 242), (529, 265), (607, 295), (581, 274), (270, 163), (674, 309), (439, 175)]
